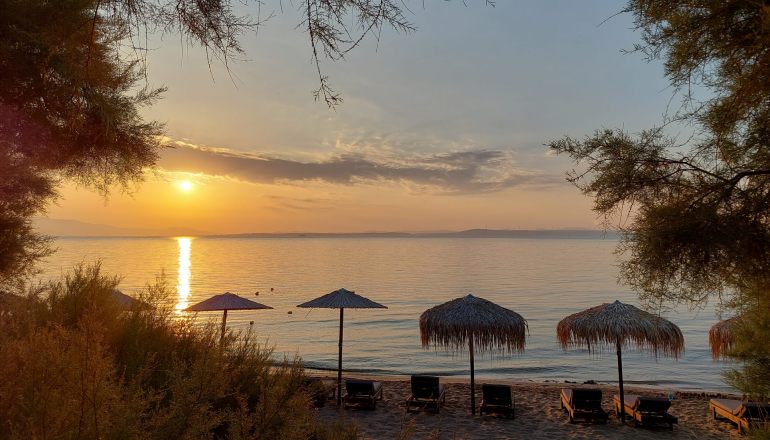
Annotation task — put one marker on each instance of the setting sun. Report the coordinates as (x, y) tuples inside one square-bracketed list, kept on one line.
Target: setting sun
[(185, 185)]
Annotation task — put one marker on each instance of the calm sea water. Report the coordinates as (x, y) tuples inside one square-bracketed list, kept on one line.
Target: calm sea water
[(542, 279)]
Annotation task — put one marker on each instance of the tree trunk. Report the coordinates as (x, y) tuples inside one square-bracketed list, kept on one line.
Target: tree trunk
[(473, 380), (620, 386), (339, 362)]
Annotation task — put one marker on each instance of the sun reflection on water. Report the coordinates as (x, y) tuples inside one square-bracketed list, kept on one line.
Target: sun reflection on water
[(183, 280)]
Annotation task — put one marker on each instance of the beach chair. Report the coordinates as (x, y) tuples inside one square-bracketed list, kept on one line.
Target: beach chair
[(320, 390), (584, 404), (496, 399), (745, 415), (646, 410), (427, 394), (362, 394)]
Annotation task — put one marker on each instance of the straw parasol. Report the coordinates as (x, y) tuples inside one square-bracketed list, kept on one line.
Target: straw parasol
[(226, 301), (721, 337), (126, 302), (341, 299), (618, 325), (480, 324), (10, 301)]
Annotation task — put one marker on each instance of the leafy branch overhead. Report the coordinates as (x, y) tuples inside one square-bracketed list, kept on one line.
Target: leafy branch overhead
[(687, 217), (334, 28)]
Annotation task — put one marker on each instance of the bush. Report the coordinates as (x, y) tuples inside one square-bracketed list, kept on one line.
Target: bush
[(74, 365)]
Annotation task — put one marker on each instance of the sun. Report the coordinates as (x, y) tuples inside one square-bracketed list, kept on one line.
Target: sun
[(185, 185)]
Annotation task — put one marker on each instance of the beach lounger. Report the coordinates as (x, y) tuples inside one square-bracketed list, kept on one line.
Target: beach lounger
[(362, 393), (496, 399), (320, 390), (584, 404), (646, 410), (744, 414), (427, 394)]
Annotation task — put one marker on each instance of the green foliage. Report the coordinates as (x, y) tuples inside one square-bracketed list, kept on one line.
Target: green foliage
[(751, 343), (24, 191), (74, 365), (69, 107), (695, 215)]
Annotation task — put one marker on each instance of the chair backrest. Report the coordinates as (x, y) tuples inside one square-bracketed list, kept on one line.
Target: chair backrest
[(755, 411), (425, 387), (497, 394), (359, 387), (587, 397), (652, 404)]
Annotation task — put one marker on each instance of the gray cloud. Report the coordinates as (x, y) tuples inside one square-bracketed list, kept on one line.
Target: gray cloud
[(463, 172), (302, 204)]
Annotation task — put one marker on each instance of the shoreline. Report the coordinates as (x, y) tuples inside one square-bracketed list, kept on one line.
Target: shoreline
[(695, 391), (538, 413)]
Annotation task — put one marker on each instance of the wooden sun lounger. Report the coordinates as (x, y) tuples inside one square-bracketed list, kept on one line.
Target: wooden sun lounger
[(584, 404), (362, 393), (645, 410), (745, 415), (496, 399), (427, 394)]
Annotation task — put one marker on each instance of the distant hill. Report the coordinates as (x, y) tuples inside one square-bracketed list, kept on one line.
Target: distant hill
[(470, 233), (74, 228)]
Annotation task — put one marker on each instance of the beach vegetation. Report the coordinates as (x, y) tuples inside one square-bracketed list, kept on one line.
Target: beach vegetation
[(694, 209), (73, 364)]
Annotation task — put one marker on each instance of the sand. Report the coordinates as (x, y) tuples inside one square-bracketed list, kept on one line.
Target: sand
[(538, 415)]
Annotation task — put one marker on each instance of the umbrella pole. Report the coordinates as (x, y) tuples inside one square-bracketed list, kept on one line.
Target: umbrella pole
[(473, 380), (620, 385), (224, 325), (339, 362)]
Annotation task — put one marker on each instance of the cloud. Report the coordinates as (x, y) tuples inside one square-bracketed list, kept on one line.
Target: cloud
[(302, 204), (463, 172)]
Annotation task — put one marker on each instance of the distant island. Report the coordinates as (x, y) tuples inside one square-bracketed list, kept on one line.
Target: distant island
[(74, 228), (469, 233)]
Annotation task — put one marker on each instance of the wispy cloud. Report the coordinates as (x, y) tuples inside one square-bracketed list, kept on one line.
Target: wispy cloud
[(461, 172)]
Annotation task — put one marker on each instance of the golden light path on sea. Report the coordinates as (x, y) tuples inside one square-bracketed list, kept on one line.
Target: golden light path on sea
[(183, 279)]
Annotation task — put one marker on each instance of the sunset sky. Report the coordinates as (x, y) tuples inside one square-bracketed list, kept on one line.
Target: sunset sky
[(442, 129)]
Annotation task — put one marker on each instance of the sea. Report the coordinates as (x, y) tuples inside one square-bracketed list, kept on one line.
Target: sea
[(543, 279)]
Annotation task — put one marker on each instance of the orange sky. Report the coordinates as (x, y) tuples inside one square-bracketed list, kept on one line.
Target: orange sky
[(443, 129), (227, 205)]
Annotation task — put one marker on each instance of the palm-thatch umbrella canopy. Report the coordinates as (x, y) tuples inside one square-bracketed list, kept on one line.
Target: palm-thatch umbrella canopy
[(226, 301), (10, 301), (126, 302), (341, 299), (618, 325), (480, 324), (721, 337)]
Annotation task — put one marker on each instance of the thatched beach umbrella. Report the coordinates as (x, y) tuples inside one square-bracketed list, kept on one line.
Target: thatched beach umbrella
[(226, 301), (480, 324), (618, 325), (10, 301), (126, 302), (721, 337), (341, 299)]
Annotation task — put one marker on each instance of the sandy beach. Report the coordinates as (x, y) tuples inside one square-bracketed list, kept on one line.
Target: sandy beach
[(538, 415)]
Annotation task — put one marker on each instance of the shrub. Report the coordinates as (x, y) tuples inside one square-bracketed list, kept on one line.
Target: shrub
[(74, 365)]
